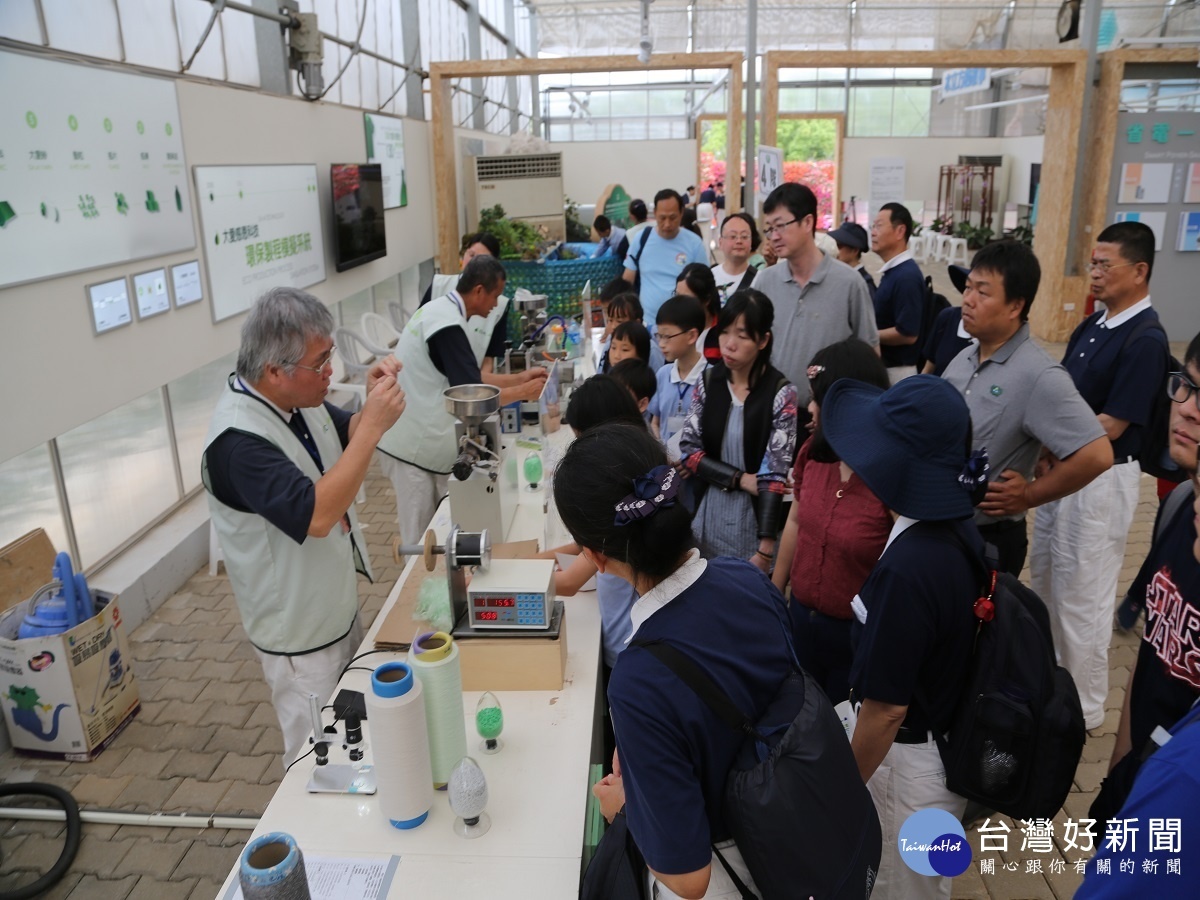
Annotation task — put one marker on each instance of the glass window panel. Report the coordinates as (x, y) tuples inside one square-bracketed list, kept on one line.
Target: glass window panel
[(369, 81), (348, 16), (87, 28), (193, 398), (377, 33), (350, 84), (559, 131), (241, 48), (870, 112), (119, 474), (910, 111), (30, 499), (148, 31), (190, 20), (831, 99), (19, 21), (667, 103), (629, 103), (797, 99)]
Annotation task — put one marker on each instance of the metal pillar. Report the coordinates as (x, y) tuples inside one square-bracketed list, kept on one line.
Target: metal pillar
[(748, 190)]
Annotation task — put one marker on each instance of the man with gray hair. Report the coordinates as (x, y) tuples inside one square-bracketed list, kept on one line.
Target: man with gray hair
[(282, 468), (418, 454)]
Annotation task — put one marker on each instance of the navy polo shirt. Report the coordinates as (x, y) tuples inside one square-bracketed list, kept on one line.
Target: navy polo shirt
[(250, 474), (944, 342), (900, 304), (1117, 380), (920, 623), (675, 753)]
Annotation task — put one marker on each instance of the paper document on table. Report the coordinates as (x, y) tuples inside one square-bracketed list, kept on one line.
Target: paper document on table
[(343, 877)]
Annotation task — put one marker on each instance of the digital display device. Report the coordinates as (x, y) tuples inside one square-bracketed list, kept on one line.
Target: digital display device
[(110, 305), (185, 278), (150, 293), (358, 227)]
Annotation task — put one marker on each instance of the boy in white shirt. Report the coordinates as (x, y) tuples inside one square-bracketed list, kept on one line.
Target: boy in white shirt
[(680, 321)]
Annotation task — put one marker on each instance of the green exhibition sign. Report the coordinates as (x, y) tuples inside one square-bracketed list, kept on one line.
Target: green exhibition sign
[(616, 206)]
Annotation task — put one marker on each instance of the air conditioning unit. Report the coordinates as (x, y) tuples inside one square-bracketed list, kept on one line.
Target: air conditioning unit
[(529, 188)]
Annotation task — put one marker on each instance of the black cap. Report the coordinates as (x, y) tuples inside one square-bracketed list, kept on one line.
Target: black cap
[(958, 274), (851, 234)]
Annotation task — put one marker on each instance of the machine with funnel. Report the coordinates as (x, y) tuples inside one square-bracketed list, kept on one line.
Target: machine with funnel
[(484, 486)]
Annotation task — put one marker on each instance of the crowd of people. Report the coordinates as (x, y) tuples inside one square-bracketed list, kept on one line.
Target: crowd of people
[(786, 442)]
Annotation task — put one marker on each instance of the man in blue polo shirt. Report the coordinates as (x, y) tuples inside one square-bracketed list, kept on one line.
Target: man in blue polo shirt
[(661, 256), (1118, 360), (900, 298)]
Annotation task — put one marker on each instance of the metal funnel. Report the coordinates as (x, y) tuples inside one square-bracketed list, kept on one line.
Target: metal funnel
[(472, 403)]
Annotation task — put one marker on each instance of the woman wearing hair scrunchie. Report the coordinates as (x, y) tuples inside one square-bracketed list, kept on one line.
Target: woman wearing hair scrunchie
[(623, 505), (739, 437)]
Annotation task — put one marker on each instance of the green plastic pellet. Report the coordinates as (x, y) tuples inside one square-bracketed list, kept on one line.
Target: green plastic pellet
[(490, 723)]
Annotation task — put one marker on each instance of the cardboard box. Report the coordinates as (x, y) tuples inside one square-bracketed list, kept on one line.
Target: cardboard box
[(514, 664), (64, 696)]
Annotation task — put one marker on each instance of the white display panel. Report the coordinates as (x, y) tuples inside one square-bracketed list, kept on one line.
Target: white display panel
[(110, 305), (185, 279), (262, 228), (385, 145), (150, 293), (91, 169)]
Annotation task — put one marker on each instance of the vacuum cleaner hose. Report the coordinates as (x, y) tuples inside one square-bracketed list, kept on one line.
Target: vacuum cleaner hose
[(70, 845)]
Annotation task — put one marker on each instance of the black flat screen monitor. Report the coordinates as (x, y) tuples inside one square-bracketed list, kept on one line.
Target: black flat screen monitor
[(358, 233)]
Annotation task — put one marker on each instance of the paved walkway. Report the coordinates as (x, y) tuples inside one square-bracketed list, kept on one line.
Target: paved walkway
[(206, 741)]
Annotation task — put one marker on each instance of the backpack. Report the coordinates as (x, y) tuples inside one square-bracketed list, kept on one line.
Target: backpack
[(934, 304), (1017, 733), (637, 260), (1154, 457), (617, 870), (794, 800)]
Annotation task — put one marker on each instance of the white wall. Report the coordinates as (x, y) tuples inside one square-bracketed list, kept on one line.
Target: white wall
[(61, 375), (925, 155), (643, 168)]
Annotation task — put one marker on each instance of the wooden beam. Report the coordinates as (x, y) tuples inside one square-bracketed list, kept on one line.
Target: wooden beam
[(479, 68), (733, 152), (923, 59), (445, 191), (1170, 54), (769, 114)]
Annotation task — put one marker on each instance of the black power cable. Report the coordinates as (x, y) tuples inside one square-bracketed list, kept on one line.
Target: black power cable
[(70, 845)]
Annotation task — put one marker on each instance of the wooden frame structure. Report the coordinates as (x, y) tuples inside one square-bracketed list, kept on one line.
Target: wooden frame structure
[(839, 117), (1064, 281), (443, 74)]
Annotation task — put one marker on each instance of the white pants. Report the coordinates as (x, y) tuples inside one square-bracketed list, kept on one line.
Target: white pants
[(720, 885), (1074, 562), (417, 496), (293, 678), (911, 777)]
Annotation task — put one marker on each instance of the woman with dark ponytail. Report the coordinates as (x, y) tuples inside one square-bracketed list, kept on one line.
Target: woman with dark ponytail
[(623, 504), (739, 437)]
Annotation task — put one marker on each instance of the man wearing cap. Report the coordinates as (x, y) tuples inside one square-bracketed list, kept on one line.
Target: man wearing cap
[(900, 300), (1020, 401), (852, 242), (947, 337), (911, 446), (1118, 359), (818, 300)]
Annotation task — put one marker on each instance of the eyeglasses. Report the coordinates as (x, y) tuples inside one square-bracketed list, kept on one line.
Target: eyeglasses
[(1104, 265), (663, 338), (1180, 388), (325, 360), (778, 226)]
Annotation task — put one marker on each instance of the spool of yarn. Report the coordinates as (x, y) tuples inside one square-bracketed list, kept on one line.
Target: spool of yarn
[(400, 742), (435, 663), (272, 868)]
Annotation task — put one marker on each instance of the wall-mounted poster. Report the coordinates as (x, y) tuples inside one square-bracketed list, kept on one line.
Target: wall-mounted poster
[(109, 302), (185, 278), (150, 293), (91, 169), (385, 145), (1145, 183), (1188, 240), (262, 228), (1156, 220)]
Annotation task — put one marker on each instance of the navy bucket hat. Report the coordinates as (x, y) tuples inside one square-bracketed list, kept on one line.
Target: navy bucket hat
[(908, 444)]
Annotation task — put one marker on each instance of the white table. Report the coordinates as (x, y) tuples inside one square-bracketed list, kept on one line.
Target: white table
[(538, 784)]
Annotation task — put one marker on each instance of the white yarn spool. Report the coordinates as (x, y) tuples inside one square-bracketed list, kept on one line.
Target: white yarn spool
[(400, 744), (435, 663)]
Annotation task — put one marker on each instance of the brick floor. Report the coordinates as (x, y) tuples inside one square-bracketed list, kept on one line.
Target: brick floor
[(207, 742)]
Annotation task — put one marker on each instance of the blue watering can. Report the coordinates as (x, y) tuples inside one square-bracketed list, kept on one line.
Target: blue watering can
[(60, 605)]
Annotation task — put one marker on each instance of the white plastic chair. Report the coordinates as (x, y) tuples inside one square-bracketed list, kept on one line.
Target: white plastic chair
[(942, 247), (378, 331), (398, 314), (957, 251), (917, 246)]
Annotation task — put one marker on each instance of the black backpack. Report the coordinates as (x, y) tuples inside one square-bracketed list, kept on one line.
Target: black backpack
[(617, 870), (1155, 454), (934, 304), (637, 260), (1017, 734), (794, 800)]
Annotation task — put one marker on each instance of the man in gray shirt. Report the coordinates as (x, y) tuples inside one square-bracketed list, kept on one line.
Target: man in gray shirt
[(1020, 401), (818, 300)]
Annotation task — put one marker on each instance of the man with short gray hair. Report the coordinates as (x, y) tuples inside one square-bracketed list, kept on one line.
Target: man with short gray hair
[(282, 468)]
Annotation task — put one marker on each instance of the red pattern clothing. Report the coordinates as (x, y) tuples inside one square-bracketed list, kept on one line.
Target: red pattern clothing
[(843, 528)]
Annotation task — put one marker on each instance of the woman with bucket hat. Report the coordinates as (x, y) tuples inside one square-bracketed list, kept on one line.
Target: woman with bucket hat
[(911, 445)]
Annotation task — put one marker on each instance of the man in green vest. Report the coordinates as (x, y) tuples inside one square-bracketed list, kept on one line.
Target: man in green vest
[(418, 453), (282, 468)]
